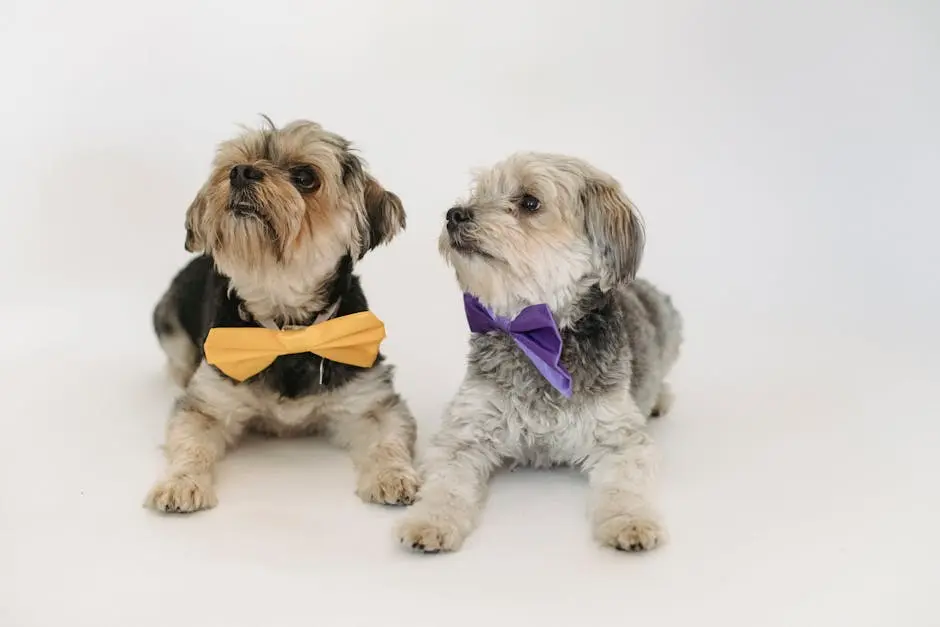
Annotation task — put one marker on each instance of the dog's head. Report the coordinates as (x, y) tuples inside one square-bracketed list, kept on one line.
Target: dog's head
[(537, 228), (276, 196)]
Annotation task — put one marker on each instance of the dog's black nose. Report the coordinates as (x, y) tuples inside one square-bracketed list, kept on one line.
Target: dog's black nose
[(244, 175), (456, 216)]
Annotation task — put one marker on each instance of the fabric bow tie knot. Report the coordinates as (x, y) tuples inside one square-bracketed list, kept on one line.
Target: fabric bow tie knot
[(533, 330), (242, 352)]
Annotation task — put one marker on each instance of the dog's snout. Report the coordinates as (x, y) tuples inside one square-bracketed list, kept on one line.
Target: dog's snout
[(456, 216), (244, 175)]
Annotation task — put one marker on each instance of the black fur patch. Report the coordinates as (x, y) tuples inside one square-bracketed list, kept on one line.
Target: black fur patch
[(202, 300)]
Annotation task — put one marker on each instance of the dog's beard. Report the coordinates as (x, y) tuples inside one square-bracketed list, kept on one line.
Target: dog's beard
[(253, 236), (479, 271), (244, 204), (246, 217), (461, 242), (245, 207), (245, 233)]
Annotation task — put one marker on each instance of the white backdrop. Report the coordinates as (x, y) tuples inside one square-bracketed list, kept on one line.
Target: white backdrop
[(784, 155)]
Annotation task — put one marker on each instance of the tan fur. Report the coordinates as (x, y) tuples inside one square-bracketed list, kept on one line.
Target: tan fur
[(310, 231), (277, 260)]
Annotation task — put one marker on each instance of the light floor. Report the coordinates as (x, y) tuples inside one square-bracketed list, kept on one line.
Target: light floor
[(798, 491)]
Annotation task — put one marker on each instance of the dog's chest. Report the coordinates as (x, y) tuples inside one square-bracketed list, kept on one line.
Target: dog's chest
[(495, 357), (264, 407), (596, 366), (301, 375), (542, 426), (534, 411), (268, 411), (282, 417)]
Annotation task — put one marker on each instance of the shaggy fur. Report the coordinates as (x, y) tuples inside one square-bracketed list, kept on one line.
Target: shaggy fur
[(551, 229), (280, 222)]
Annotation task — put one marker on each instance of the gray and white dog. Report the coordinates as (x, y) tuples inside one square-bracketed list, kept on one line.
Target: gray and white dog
[(554, 230)]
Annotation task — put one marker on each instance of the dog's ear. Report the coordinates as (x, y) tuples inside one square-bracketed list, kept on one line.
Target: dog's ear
[(615, 229), (195, 236), (384, 214)]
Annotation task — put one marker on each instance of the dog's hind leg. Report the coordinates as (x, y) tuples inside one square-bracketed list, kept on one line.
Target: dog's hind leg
[(663, 401), (182, 354)]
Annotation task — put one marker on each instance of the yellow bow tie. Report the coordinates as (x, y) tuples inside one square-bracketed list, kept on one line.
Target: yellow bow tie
[(242, 352)]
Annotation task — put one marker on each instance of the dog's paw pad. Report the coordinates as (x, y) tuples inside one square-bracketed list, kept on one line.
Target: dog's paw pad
[(631, 533), (425, 536), (181, 494), (389, 486)]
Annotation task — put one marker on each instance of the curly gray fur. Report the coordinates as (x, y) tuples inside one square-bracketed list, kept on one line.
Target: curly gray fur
[(552, 229)]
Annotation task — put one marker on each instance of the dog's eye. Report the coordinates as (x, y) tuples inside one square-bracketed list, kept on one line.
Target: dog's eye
[(530, 203), (304, 178)]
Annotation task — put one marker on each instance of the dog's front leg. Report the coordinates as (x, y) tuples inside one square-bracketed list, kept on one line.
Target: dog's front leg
[(456, 470), (620, 471), (381, 442), (195, 441)]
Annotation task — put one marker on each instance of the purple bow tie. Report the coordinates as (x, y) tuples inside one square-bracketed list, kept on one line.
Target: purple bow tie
[(533, 330)]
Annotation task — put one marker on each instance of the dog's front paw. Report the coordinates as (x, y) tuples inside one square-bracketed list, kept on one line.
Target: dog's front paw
[(627, 532), (395, 485), (430, 534), (182, 494)]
